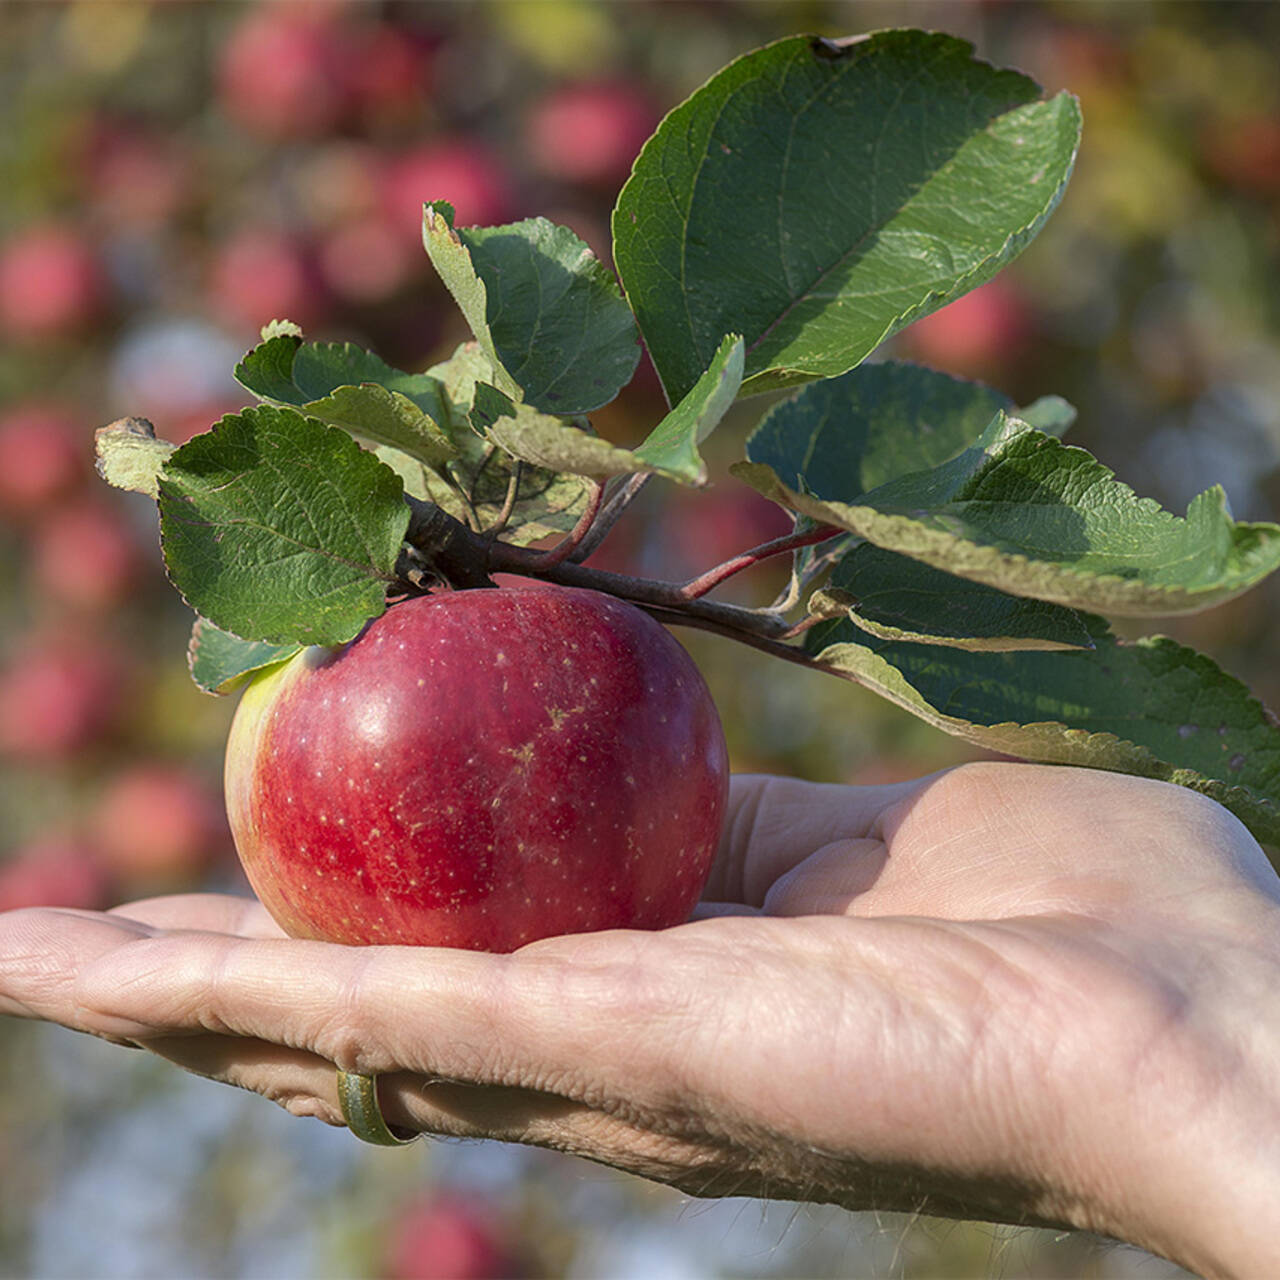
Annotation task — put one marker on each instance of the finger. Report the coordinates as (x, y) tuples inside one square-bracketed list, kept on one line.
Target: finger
[(305, 1084), (208, 912), (41, 952), (774, 823), (830, 881), (559, 1017)]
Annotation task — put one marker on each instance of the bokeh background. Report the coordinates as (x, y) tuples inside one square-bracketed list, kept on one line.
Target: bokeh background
[(172, 176)]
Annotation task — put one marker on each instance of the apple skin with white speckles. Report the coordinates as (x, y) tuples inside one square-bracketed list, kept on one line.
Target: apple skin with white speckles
[(480, 769)]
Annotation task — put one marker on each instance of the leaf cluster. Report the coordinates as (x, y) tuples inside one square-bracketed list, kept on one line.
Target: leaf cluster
[(808, 202)]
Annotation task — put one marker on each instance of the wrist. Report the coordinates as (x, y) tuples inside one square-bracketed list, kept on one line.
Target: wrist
[(1192, 1171)]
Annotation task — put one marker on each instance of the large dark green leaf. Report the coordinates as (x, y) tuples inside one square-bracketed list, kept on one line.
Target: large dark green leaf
[(897, 598), (1153, 707), (816, 197), (278, 528), (546, 311), (1022, 512), (840, 437)]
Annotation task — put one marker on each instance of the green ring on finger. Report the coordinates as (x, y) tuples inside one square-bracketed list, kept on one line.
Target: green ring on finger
[(358, 1098)]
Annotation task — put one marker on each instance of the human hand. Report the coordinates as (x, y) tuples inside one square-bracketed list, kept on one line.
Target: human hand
[(1007, 991)]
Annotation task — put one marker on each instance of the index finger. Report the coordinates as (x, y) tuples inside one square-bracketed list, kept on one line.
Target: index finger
[(774, 823), (203, 912)]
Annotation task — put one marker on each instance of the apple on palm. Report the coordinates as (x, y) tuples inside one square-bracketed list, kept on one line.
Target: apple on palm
[(480, 769)]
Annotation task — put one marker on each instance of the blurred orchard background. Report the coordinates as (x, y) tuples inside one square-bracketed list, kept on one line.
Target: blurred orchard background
[(172, 176)]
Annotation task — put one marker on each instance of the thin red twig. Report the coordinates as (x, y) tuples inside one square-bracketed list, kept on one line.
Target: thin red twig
[(698, 587)]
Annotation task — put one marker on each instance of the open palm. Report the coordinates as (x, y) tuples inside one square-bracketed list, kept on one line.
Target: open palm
[(1004, 991)]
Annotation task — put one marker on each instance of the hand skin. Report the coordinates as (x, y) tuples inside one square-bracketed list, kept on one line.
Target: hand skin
[(1013, 992)]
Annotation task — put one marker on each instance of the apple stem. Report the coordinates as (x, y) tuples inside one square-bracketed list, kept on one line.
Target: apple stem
[(508, 502), (567, 545), (619, 501), (465, 559), (805, 624), (775, 645), (697, 587)]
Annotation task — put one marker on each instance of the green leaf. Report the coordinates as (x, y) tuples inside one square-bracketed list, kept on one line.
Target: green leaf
[(475, 492), (544, 309), (1153, 708), (346, 386), (672, 446), (278, 528), (452, 261), (548, 442), (670, 450), (130, 456), (1027, 514), (473, 486), (459, 376), (817, 197), (220, 662), (897, 598), (267, 369), (841, 437)]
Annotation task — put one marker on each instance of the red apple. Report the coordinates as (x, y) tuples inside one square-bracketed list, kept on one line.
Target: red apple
[(480, 769), (86, 557), (592, 131), (262, 275), (157, 823), (448, 1237), (976, 334), (389, 75), (57, 696), (52, 871), (281, 73), (138, 180), (367, 260), (51, 284), (463, 171), (43, 456), (1244, 153)]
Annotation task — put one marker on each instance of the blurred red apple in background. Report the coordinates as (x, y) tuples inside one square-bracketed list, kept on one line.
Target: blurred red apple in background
[(281, 74), (86, 556), (137, 180), (388, 73), (58, 695), (1244, 153), (260, 275), (51, 284), (449, 1237), (464, 171), (977, 334), (480, 769), (44, 454), (591, 132), (53, 871), (157, 824), (367, 260), (701, 530)]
